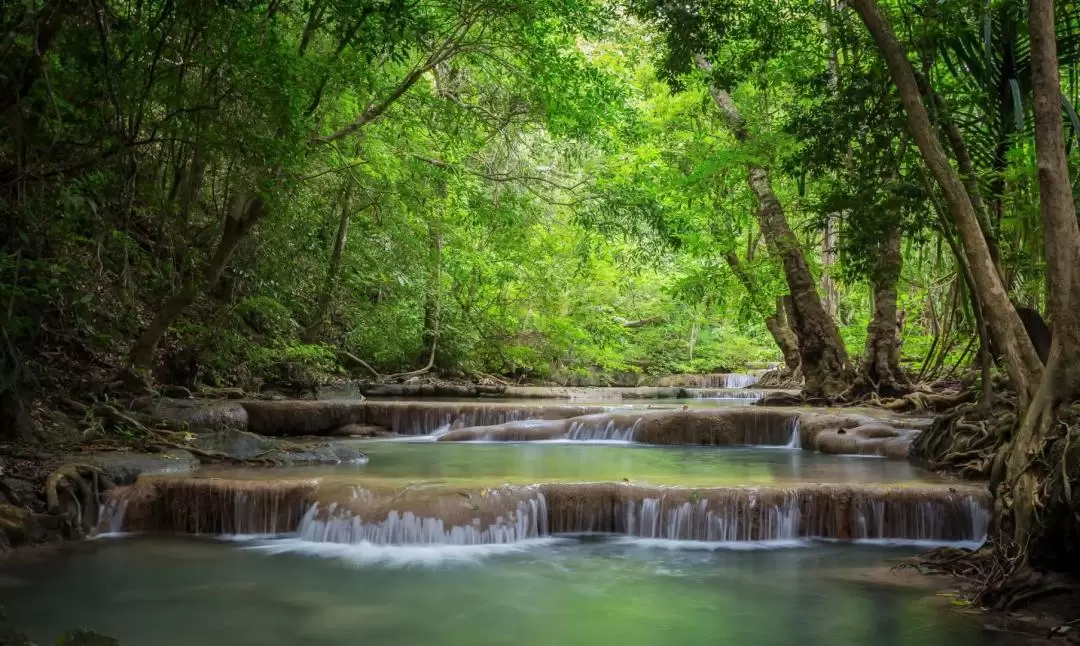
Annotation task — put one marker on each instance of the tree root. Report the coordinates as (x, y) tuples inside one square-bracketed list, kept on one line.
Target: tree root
[(84, 484), (927, 401)]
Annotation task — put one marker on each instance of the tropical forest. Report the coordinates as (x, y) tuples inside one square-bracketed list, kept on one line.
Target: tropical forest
[(531, 322)]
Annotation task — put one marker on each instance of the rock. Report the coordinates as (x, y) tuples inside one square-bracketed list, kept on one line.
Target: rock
[(176, 392), (85, 638), (360, 430), (781, 398), (236, 444), (245, 446), (124, 468), (201, 415), (19, 491)]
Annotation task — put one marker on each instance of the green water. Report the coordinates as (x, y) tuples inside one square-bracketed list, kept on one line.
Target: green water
[(531, 462), (184, 592)]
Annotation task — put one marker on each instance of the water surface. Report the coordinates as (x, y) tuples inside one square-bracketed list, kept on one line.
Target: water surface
[(593, 592), (567, 461)]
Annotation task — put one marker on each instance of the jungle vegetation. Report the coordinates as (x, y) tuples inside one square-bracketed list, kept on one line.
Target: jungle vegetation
[(871, 195)]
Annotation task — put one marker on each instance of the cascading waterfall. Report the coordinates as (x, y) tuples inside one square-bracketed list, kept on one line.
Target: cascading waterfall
[(714, 380), (341, 525), (422, 421), (739, 381), (695, 521), (592, 431), (443, 515), (796, 440), (725, 393)]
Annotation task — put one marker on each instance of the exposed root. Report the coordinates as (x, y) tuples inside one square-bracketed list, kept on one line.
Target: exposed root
[(927, 401), (83, 486)]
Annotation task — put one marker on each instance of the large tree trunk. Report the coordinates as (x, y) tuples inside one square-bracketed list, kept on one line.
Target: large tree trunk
[(1026, 468), (823, 356), (1024, 366), (879, 370), (326, 294), (246, 212), (774, 315)]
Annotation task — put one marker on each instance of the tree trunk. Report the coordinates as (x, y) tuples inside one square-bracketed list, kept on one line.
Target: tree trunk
[(823, 356), (246, 212), (831, 300), (326, 294), (879, 370), (775, 319), (433, 301), (785, 340), (1026, 470), (1024, 365)]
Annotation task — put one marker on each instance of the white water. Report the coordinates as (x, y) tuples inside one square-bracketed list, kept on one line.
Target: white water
[(724, 394), (609, 432), (338, 525), (739, 381), (366, 553), (696, 522), (796, 440)]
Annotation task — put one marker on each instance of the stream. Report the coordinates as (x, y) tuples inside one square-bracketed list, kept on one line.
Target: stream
[(549, 542)]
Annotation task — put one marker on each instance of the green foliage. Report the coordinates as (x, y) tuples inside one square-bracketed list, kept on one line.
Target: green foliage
[(542, 188)]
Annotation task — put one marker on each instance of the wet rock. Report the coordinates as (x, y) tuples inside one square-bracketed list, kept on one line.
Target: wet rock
[(855, 435), (201, 415), (125, 468), (360, 430), (245, 446), (782, 398), (302, 417)]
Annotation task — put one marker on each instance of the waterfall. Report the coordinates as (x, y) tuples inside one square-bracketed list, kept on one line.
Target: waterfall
[(340, 525), (590, 430), (714, 380), (739, 381), (796, 440), (725, 393), (695, 521), (446, 515)]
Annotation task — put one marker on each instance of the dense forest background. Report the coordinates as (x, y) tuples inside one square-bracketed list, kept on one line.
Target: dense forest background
[(239, 193)]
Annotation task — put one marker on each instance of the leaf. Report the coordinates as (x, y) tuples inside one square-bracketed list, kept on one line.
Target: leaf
[(1018, 105)]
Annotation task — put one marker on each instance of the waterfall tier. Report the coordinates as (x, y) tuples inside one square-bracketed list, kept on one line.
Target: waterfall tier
[(451, 515)]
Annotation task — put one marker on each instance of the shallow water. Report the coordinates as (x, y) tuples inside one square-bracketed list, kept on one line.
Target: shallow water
[(169, 592), (531, 462)]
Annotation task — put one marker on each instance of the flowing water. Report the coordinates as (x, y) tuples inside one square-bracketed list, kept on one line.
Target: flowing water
[(169, 592), (567, 541)]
